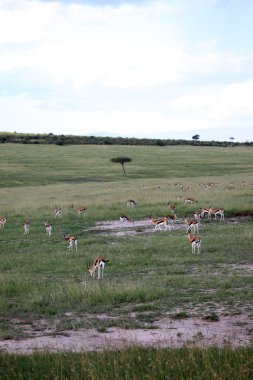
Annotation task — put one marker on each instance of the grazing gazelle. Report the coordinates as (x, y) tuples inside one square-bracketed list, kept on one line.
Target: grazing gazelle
[(206, 210), (131, 203), (190, 200), (172, 206), (192, 225), (124, 218), (26, 226), (3, 220), (197, 216), (160, 222), (48, 227), (72, 240), (218, 211), (195, 241), (99, 264), (58, 212), (80, 210), (171, 218)]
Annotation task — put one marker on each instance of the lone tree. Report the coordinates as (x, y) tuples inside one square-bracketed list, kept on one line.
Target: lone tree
[(195, 137), (122, 161)]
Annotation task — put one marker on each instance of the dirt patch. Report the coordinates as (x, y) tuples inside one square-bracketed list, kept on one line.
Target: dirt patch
[(118, 228), (232, 331)]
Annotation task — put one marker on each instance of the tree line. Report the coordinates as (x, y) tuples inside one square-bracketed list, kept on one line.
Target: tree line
[(50, 138)]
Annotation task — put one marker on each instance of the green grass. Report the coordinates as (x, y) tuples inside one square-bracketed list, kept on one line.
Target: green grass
[(133, 363), (34, 165), (153, 273)]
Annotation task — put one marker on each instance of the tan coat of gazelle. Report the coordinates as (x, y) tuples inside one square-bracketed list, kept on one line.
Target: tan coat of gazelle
[(99, 264), (58, 212), (3, 220), (131, 203), (192, 224), (48, 227), (195, 241), (80, 210), (124, 218), (26, 226), (72, 240), (218, 211), (160, 222)]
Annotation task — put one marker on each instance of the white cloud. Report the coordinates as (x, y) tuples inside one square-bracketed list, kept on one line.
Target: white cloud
[(57, 51), (84, 44), (217, 102), (232, 101)]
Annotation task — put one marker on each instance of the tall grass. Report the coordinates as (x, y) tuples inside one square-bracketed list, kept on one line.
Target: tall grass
[(132, 363)]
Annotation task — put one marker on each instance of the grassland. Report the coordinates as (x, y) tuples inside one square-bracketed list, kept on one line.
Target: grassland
[(150, 274)]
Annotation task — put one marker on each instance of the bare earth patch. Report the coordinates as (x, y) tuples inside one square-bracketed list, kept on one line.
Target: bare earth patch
[(228, 331), (118, 228)]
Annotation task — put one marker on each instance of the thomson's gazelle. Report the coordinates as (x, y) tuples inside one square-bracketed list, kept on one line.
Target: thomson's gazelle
[(72, 240), (48, 227), (190, 200), (3, 220), (26, 226), (195, 241), (80, 210), (206, 210), (160, 222), (218, 211), (99, 264), (131, 203), (192, 224), (124, 218), (58, 212)]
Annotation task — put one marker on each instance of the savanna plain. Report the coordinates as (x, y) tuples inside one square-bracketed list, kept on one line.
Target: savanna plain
[(198, 305)]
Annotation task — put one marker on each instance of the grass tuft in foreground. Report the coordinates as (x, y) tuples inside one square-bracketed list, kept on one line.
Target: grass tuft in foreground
[(132, 363)]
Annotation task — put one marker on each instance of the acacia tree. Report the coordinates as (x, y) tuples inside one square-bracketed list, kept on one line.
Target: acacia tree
[(122, 161), (195, 137)]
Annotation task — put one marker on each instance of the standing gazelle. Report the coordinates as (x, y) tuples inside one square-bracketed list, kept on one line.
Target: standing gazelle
[(171, 218), (80, 210), (26, 226), (218, 211), (190, 200), (58, 212), (192, 224), (197, 216), (206, 210), (124, 218), (99, 264), (3, 220), (195, 241), (48, 227), (72, 240), (160, 222), (131, 203)]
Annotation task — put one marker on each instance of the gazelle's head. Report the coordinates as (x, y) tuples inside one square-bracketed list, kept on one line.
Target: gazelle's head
[(90, 268)]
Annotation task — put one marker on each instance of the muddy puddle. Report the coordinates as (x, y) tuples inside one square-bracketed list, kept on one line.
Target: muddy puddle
[(227, 331)]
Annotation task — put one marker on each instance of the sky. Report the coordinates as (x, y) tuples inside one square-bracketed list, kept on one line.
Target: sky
[(154, 69)]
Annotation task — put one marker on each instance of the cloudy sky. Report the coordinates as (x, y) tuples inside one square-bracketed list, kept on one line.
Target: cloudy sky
[(160, 69)]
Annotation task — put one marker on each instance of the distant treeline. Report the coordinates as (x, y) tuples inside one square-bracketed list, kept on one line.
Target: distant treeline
[(50, 138)]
